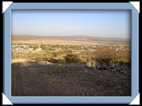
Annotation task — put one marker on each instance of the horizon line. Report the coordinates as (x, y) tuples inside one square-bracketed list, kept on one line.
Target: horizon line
[(71, 36)]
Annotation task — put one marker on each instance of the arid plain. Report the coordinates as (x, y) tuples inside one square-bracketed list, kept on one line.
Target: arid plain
[(70, 66)]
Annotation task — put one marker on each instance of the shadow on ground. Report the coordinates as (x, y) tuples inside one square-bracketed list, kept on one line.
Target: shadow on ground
[(38, 79)]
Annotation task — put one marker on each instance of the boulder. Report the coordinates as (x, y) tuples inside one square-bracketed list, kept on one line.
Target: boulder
[(104, 67), (114, 71)]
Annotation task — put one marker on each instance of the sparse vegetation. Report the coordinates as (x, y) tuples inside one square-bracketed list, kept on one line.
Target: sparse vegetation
[(71, 67), (72, 58), (102, 55), (110, 57)]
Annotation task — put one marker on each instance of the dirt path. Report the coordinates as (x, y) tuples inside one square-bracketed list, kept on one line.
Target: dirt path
[(18, 80)]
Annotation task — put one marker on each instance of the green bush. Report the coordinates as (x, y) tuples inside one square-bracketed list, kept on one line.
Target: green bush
[(43, 46), (72, 58), (35, 47), (56, 54)]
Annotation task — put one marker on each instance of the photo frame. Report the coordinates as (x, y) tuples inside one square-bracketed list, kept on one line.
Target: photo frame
[(70, 99)]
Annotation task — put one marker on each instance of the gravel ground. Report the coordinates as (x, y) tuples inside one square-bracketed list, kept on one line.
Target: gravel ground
[(39, 79)]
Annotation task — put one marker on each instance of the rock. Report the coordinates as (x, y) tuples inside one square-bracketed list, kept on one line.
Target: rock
[(48, 62), (112, 67), (119, 87), (122, 72), (104, 67), (70, 68), (81, 68), (98, 66), (114, 70), (69, 71), (50, 72), (94, 68)]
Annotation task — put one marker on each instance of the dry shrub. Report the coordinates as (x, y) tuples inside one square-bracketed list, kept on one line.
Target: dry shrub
[(110, 57), (53, 60), (72, 58)]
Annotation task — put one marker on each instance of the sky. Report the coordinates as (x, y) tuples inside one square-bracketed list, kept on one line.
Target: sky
[(97, 23)]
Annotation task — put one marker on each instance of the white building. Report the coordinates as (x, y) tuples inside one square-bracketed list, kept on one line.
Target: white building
[(19, 49), (76, 52), (38, 49), (30, 48)]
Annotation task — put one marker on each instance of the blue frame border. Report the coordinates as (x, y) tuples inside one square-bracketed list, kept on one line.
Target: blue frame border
[(72, 99)]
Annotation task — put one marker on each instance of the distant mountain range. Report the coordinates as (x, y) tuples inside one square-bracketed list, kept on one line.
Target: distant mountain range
[(83, 38), (91, 38)]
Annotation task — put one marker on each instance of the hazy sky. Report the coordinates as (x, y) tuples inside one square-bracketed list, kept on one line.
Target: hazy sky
[(71, 23)]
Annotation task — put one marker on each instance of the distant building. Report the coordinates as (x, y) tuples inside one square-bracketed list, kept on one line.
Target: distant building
[(19, 48), (38, 49), (58, 49), (76, 52), (25, 45), (13, 46), (30, 48)]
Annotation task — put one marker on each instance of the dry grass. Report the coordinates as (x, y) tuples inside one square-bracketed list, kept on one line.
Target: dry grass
[(46, 73)]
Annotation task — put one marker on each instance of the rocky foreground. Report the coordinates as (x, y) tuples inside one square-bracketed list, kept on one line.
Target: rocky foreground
[(31, 78)]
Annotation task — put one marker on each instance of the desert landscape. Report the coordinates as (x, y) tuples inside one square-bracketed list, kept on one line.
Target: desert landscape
[(70, 66)]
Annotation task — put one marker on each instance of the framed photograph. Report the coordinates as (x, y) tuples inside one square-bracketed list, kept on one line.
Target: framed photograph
[(71, 53)]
